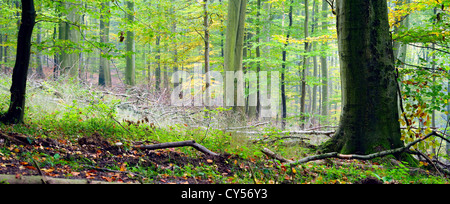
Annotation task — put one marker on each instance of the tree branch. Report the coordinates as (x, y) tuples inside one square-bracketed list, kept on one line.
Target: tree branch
[(351, 156), (190, 143)]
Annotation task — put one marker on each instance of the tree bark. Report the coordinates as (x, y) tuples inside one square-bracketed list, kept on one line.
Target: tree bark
[(39, 69), (323, 62), (158, 64), (70, 33), (283, 70), (16, 109), (369, 120), (233, 50), (130, 77), (190, 143), (305, 64), (104, 73), (207, 96)]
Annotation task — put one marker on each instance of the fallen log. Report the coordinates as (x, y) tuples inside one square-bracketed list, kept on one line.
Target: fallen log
[(13, 179), (190, 143), (327, 133)]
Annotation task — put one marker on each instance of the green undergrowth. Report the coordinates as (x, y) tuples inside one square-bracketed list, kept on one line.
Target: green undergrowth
[(70, 111)]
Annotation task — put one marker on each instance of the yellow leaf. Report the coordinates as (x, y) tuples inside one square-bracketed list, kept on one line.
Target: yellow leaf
[(123, 166)]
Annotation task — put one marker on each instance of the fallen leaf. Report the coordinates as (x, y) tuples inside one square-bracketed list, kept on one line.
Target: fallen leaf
[(109, 179), (209, 161), (294, 171), (123, 166), (30, 167)]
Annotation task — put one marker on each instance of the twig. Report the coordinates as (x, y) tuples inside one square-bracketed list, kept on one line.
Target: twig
[(428, 160)]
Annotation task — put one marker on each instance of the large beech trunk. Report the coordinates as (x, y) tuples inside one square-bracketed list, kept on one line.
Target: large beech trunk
[(369, 120)]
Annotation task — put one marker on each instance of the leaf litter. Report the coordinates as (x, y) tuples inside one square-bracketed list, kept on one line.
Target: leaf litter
[(94, 158)]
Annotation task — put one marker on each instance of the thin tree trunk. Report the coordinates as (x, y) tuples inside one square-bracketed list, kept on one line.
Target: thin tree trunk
[(16, 109), (258, 63), (158, 64), (283, 70), (130, 75), (305, 64), (207, 96), (39, 70), (323, 62), (104, 75)]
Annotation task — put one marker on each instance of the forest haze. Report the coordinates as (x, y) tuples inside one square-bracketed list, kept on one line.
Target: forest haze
[(216, 91)]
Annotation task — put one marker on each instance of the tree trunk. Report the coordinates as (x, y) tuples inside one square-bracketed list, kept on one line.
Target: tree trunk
[(258, 63), (158, 64), (130, 77), (315, 71), (104, 74), (323, 62), (70, 33), (369, 120), (283, 71), (207, 96), (16, 109), (305, 64), (39, 70), (1, 51), (233, 51)]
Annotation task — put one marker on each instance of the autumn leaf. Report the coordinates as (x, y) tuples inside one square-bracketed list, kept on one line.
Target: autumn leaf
[(74, 173), (30, 167), (123, 166)]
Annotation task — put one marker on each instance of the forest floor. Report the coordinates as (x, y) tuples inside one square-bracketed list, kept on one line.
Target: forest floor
[(78, 132)]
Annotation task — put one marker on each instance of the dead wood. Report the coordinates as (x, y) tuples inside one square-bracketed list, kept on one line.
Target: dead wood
[(15, 138), (352, 156), (273, 155), (327, 133), (16, 179), (190, 143)]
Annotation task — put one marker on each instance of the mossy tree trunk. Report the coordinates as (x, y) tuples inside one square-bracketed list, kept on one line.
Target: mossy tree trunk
[(369, 120)]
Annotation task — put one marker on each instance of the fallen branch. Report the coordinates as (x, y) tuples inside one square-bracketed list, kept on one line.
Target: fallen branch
[(327, 133), (246, 127), (190, 143), (15, 138), (13, 179), (351, 156), (274, 155), (364, 157)]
